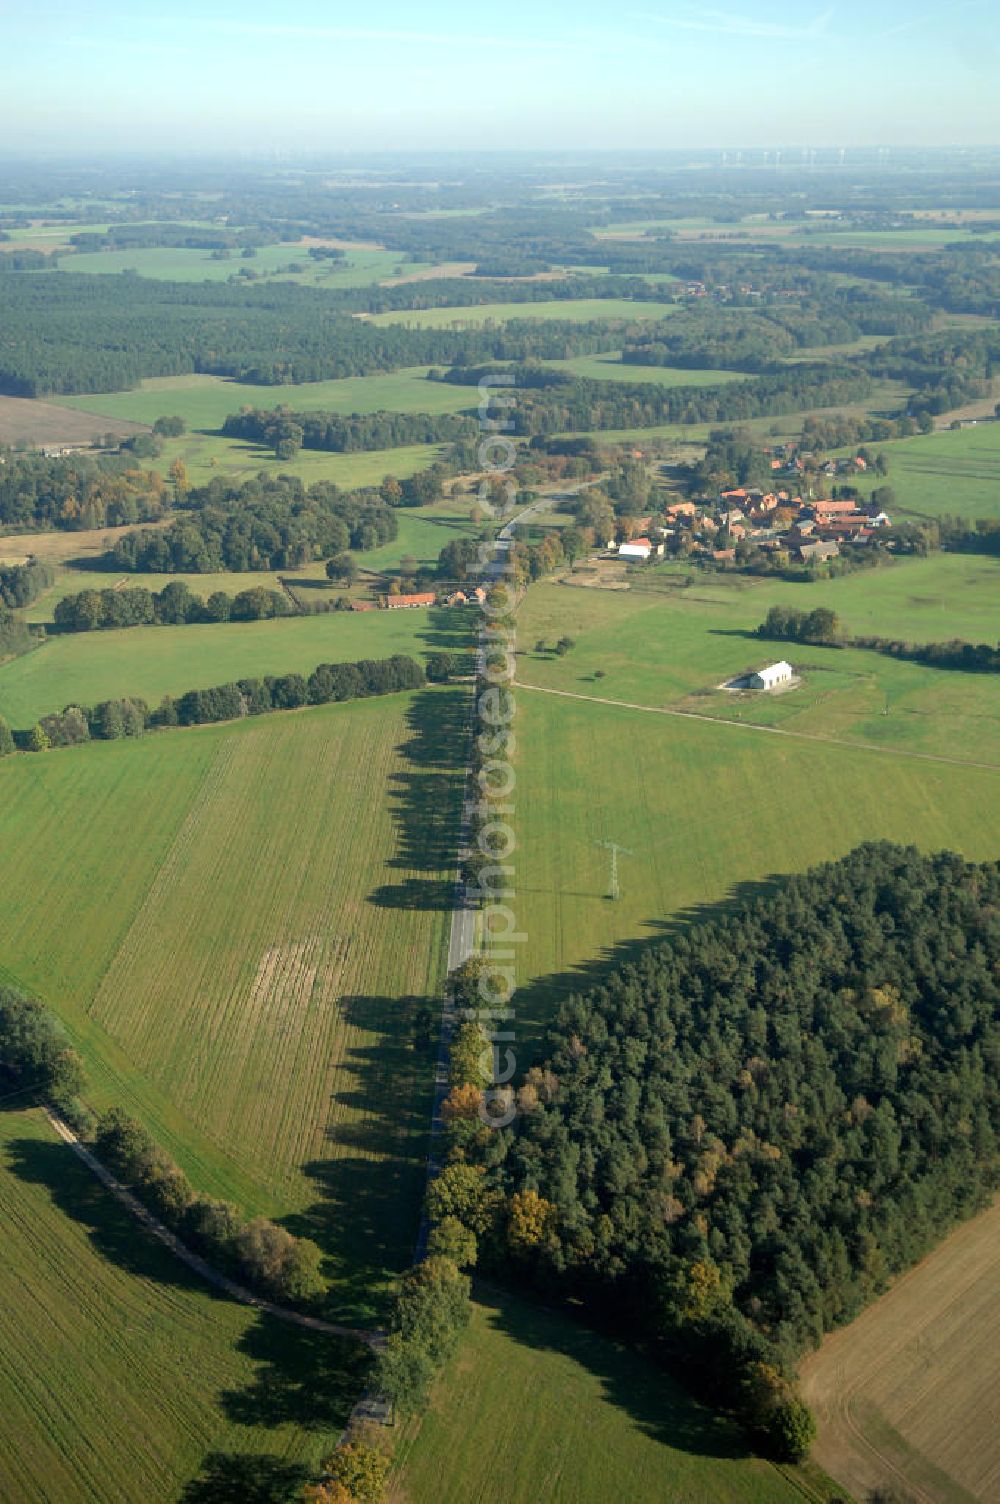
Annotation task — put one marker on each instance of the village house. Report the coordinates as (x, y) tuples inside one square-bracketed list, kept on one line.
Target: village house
[(827, 508), (848, 529), (807, 552)]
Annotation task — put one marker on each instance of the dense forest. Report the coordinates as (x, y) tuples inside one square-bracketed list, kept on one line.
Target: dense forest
[(20, 584), (78, 492), (741, 339), (741, 1136), (64, 332), (552, 402), (269, 522), (823, 1062), (281, 427)]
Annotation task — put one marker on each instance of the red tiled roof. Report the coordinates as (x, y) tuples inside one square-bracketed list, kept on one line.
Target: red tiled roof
[(426, 598)]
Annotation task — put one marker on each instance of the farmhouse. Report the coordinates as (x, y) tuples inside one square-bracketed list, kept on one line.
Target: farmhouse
[(639, 548), (771, 676), (410, 602)]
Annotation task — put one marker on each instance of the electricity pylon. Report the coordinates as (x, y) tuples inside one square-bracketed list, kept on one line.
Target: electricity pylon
[(616, 851)]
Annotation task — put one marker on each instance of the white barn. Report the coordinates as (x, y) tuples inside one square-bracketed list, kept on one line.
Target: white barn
[(772, 676)]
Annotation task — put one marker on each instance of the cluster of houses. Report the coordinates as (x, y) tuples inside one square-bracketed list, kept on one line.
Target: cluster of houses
[(791, 460), (773, 521), (721, 290)]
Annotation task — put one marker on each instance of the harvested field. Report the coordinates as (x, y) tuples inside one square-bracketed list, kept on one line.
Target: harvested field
[(23, 420), (58, 547), (902, 1395)]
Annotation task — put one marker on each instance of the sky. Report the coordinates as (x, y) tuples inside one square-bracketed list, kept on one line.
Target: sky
[(215, 75)]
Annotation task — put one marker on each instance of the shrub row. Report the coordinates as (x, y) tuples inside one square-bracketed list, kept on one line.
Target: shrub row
[(37, 1060), (822, 627), (266, 1255), (328, 683), (174, 605)]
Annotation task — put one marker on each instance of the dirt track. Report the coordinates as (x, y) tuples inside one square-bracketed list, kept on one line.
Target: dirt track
[(194, 1260)]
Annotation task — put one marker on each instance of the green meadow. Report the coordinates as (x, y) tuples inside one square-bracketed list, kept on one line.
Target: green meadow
[(538, 1410), (204, 402), (122, 1377), (952, 473), (580, 310), (713, 798), (208, 455), (661, 644), (611, 367), (360, 268), (702, 807), (84, 667)]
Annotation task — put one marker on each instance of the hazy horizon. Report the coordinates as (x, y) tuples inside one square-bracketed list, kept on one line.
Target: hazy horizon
[(228, 77)]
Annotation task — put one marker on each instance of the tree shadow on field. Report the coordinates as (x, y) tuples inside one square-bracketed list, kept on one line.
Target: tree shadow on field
[(113, 1231), (655, 1402), (450, 629), (245, 1478), (368, 1191), (303, 1378), (426, 802), (537, 1002)]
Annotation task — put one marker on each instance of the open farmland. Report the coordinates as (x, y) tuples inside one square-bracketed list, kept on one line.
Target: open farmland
[(423, 532), (611, 367), (84, 667), (954, 473), (580, 310), (662, 645), (207, 455), (803, 232), (25, 421), (204, 402), (236, 924), (899, 1394), (121, 1374), (703, 808), (591, 1421), (361, 267)]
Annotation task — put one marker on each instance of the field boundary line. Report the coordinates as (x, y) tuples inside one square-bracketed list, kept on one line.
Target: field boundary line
[(369, 1337), (717, 720)]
